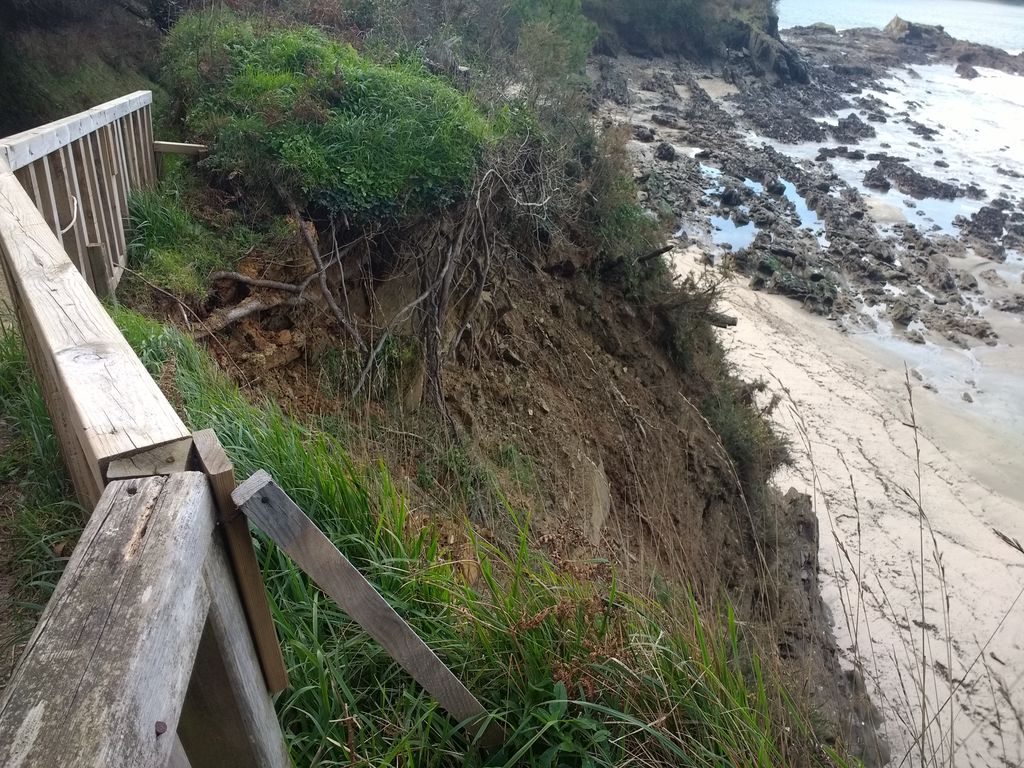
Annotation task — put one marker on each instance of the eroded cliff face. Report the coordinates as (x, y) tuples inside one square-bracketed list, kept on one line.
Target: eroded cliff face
[(701, 32)]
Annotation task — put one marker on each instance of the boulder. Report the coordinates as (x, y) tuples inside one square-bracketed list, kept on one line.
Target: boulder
[(852, 129), (665, 152), (966, 71), (902, 312), (644, 133), (767, 52), (911, 33), (987, 224), (732, 197)]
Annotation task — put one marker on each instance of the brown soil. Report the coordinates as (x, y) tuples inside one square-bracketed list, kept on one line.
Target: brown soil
[(621, 464), (568, 400)]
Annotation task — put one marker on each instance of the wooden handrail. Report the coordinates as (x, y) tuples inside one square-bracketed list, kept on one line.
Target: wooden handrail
[(103, 401), (106, 670), (79, 173), (26, 147), (146, 653)]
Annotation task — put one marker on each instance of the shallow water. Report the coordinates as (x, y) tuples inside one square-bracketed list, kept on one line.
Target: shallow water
[(978, 123), (992, 23), (725, 231)]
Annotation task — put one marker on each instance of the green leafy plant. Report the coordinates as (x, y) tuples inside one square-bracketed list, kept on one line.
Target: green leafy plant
[(291, 108)]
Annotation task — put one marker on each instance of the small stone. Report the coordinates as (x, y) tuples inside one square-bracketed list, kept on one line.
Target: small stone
[(967, 397)]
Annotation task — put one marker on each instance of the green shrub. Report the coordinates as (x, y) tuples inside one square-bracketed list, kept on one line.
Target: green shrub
[(564, 19), (291, 107), (660, 27), (623, 230)]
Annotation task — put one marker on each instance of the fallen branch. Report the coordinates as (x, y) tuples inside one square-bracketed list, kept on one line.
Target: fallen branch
[(314, 251), (220, 320), (258, 282), (654, 254)]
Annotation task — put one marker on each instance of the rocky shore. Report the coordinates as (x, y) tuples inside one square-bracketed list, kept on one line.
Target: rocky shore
[(711, 151), (815, 168)]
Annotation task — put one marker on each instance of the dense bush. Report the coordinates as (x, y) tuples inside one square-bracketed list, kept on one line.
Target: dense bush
[(290, 107)]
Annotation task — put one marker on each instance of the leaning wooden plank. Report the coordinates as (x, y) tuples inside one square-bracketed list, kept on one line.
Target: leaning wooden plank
[(96, 381), (218, 467), (228, 720), (284, 522), (179, 148), (28, 146), (104, 675)]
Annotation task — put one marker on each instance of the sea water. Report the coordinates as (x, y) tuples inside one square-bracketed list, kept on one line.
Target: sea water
[(980, 21)]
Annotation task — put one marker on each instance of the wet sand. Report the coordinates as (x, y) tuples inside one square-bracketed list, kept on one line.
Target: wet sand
[(847, 412)]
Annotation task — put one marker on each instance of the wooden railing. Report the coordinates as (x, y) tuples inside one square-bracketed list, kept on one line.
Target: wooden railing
[(157, 646), (79, 172)]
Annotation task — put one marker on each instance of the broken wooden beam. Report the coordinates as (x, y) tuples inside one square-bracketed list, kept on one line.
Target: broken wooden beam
[(270, 508)]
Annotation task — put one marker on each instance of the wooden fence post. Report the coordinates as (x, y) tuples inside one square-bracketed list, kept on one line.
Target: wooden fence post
[(228, 720), (104, 675)]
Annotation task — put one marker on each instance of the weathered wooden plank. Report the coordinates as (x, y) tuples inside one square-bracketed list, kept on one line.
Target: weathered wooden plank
[(179, 148), (99, 266), (112, 194), (124, 170), (228, 720), (124, 138), (111, 402), (87, 485), (68, 215), (49, 210), (85, 175), (109, 230), (164, 460), (26, 147), (214, 461), (37, 195), (284, 522), (104, 674), (147, 137)]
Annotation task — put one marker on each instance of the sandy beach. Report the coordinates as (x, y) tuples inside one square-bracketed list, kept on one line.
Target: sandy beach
[(847, 411)]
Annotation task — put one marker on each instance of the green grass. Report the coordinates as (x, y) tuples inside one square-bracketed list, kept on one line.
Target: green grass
[(170, 247), (290, 106), (46, 522), (578, 672)]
